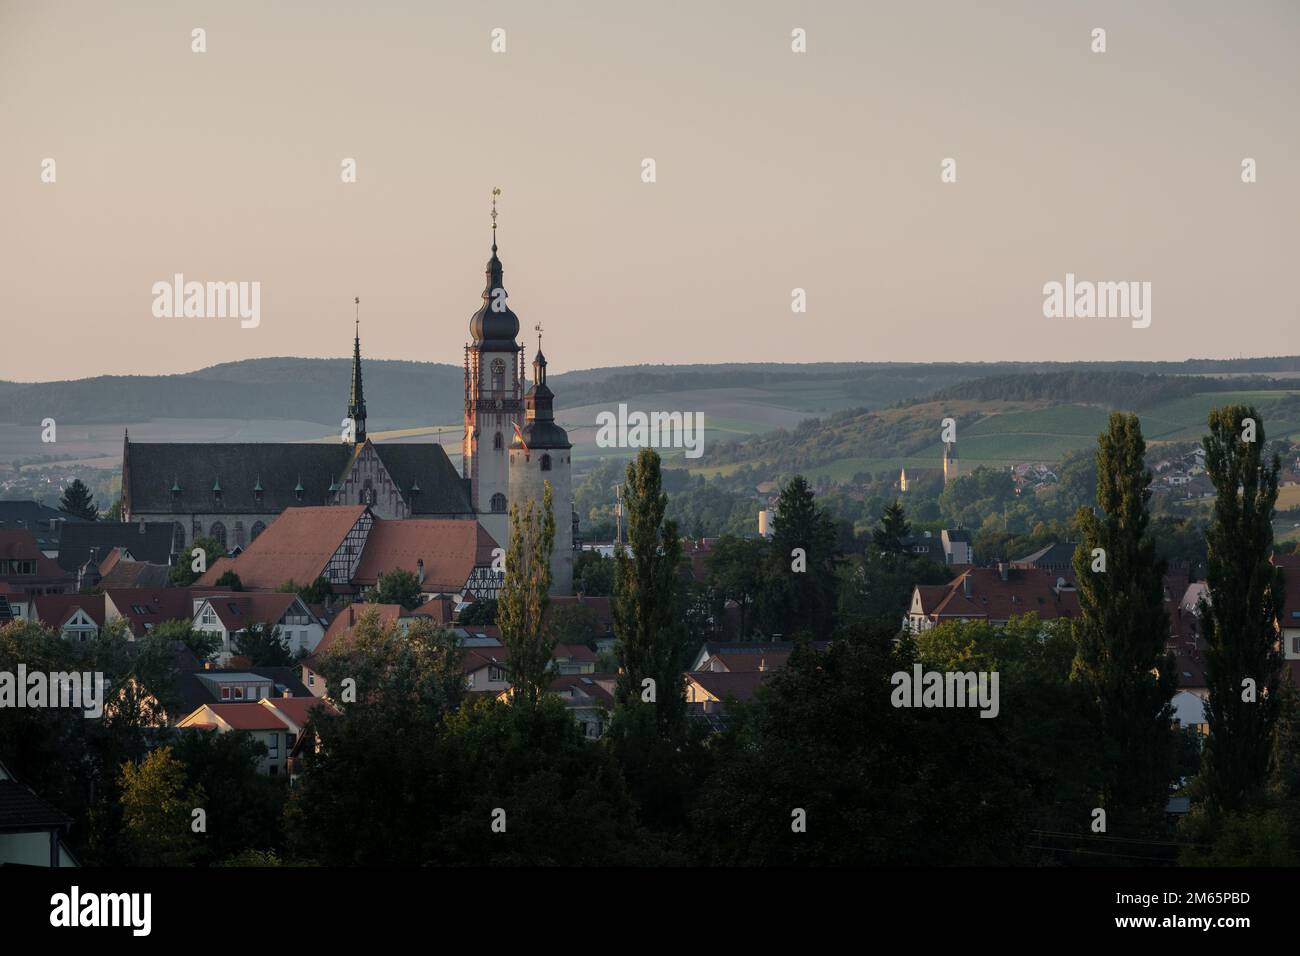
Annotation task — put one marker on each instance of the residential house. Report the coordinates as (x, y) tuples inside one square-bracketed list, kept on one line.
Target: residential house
[(78, 617), (229, 614), (25, 568), (994, 595), (32, 831), (45, 523), (146, 541), (275, 723)]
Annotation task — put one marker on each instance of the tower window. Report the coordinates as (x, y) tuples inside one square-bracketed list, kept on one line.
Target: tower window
[(218, 531), (546, 463), (496, 442), (498, 503), (498, 375)]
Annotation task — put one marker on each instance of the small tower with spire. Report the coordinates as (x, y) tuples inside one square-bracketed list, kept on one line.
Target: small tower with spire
[(950, 462), (357, 396), (541, 453)]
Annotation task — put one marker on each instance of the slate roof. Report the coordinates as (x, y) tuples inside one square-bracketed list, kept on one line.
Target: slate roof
[(193, 693), (442, 490), (722, 685), (994, 599), (22, 811), (36, 518), (1054, 557), (153, 546), (151, 470)]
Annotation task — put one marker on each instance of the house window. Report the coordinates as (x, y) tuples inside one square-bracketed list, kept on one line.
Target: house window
[(209, 616), (496, 674), (273, 745), (546, 463), (311, 679), (498, 503), (225, 693)]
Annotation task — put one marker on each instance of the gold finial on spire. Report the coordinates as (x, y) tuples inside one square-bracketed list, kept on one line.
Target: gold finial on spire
[(357, 301), (496, 191), (538, 329)]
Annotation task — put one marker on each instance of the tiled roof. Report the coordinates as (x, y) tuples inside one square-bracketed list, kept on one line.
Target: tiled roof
[(156, 604), (1053, 557), (296, 546), (54, 609), (134, 574), (340, 629), (22, 811), (154, 545), (298, 709), (150, 471), (246, 716), (442, 490), (742, 685), (449, 547), (20, 544), (194, 693), (994, 599), (237, 611), (36, 518), (736, 663)]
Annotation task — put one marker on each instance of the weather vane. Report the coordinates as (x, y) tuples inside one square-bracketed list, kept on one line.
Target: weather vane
[(496, 191), (357, 301), (538, 329)]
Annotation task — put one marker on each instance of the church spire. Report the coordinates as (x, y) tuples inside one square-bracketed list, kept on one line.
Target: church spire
[(494, 326), (357, 397)]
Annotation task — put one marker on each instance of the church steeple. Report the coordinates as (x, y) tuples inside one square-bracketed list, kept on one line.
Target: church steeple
[(357, 397), (494, 326)]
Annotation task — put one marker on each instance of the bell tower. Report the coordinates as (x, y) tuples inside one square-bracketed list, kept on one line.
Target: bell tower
[(494, 399)]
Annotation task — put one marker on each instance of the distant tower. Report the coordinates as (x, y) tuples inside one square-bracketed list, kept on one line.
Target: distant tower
[(949, 462), (357, 397), (493, 399), (539, 453)]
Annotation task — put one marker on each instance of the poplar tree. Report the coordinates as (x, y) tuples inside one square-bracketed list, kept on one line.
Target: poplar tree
[(652, 638), (803, 556), (1120, 637), (1240, 611), (521, 605)]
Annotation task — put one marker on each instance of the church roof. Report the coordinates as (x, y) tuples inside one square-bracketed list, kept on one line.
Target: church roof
[(426, 467), (151, 471)]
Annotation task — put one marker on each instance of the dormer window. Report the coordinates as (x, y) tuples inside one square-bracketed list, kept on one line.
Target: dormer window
[(216, 490), (298, 490), (257, 490)]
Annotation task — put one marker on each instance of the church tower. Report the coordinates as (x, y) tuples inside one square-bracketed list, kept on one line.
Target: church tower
[(540, 453), (493, 398), (357, 397)]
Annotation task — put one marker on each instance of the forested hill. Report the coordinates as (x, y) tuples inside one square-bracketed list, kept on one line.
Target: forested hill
[(1113, 389)]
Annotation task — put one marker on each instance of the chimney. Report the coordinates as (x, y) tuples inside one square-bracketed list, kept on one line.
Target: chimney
[(762, 664), (286, 692), (207, 665)]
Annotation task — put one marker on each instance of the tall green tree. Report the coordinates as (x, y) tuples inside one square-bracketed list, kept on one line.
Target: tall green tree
[(1120, 655), (803, 563), (78, 501), (888, 537), (1240, 613), (182, 573), (652, 638), (521, 605), (264, 645)]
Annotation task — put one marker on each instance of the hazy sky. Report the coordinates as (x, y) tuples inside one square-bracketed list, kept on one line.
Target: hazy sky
[(775, 170)]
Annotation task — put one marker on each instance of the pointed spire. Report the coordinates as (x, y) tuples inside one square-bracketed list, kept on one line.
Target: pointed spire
[(357, 396)]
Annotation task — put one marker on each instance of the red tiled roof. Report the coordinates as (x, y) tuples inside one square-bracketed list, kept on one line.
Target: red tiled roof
[(742, 685), (246, 716), (238, 610), (340, 630), (20, 544), (450, 549), (738, 663), (298, 709), (994, 599), (297, 546), (54, 609)]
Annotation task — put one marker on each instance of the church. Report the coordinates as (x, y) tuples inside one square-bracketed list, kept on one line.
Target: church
[(512, 445)]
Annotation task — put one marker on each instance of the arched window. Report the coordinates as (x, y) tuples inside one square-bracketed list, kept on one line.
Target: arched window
[(178, 536), (546, 463), (257, 529), (498, 503), (218, 531), (239, 534), (498, 375), (496, 441)]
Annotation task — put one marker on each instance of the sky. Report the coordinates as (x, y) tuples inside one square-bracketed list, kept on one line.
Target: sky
[(774, 171)]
